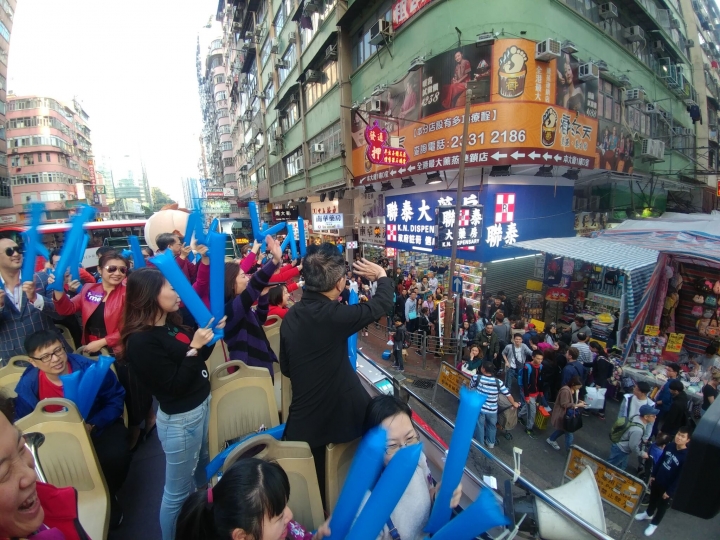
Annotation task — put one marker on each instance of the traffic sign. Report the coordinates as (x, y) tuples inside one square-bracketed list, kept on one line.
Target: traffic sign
[(457, 284)]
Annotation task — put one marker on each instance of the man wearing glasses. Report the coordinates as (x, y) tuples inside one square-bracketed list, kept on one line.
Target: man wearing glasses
[(104, 422), (25, 307)]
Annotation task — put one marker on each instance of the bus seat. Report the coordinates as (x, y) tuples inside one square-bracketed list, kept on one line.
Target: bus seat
[(272, 332), (338, 458), (11, 373), (297, 461), (241, 402), (218, 356), (104, 352), (67, 458), (66, 334)]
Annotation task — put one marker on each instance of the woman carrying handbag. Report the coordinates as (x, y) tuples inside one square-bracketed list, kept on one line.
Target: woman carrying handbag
[(566, 418)]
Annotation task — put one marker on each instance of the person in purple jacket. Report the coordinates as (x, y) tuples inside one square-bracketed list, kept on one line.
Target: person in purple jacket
[(244, 334), (664, 480)]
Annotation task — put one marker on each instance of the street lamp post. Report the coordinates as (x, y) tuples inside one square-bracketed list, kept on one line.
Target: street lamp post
[(458, 210)]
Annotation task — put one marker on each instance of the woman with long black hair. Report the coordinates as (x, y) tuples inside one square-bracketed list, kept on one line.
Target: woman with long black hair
[(170, 362)]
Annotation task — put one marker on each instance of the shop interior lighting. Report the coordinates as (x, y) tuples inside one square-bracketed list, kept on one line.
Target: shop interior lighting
[(500, 170), (370, 189), (407, 182), (544, 170), (572, 174), (386, 186), (433, 178), (322, 196), (332, 195)]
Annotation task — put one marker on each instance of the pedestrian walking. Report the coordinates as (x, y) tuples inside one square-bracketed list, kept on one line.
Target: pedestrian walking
[(488, 385), (567, 399)]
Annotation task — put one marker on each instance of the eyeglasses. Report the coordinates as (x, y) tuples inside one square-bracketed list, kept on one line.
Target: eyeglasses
[(392, 449), (10, 250), (45, 358), (113, 268)]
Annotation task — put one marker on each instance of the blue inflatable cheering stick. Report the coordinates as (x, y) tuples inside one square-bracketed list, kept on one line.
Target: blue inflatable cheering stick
[(169, 268), (482, 515), (386, 494), (137, 254), (364, 472), (216, 243), (301, 237), (470, 404), (79, 256), (82, 387), (33, 244), (353, 339), (255, 222), (70, 256)]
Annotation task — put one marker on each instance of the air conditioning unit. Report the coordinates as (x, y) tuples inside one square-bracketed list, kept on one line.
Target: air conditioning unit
[(319, 148), (380, 31), (652, 150), (259, 29), (634, 95), (588, 72), (547, 50), (277, 134), (689, 131), (416, 63), (312, 75), (249, 35), (248, 115), (690, 43), (657, 46), (299, 164), (260, 95), (331, 52), (634, 33), (291, 38), (280, 64), (652, 108), (274, 46), (608, 11), (373, 105)]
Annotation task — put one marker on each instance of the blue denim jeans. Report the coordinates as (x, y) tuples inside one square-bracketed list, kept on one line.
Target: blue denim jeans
[(618, 457), (568, 437), (510, 376), (486, 428), (184, 439)]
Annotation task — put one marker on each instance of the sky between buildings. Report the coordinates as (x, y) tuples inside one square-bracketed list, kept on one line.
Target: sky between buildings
[(132, 66)]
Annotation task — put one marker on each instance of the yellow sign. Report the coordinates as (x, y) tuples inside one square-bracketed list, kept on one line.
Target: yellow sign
[(242, 241), (539, 325), (617, 488), (533, 285), (674, 343), (451, 379), (651, 330)]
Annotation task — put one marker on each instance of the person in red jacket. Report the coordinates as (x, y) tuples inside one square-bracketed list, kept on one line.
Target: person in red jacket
[(279, 296), (28, 508)]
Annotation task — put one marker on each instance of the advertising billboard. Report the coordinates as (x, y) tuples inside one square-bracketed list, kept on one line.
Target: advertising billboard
[(404, 9), (528, 113)]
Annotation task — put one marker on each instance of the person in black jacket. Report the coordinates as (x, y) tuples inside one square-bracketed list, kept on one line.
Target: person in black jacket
[(399, 339), (532, 384), (602, 370), (677, 416), (329, 402)]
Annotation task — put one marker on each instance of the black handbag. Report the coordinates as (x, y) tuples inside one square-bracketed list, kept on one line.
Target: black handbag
[(572, 420)]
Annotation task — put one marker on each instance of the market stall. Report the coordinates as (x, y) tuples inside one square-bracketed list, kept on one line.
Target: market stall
[(598, 279)]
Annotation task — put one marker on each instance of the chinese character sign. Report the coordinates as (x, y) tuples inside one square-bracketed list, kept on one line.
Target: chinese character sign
[(404, 9), (469, 226), (379, 151), (285, 214), (326, 222)]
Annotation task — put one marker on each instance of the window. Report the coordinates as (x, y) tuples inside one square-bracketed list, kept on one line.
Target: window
[(315, 90), (3, 159), (330, 139), (4, 32), (220, 96), (15, 161), (306, 34), (289, 59), (361, 48), (276, 174), (28, 159), (260, 14), (3, 107), (216, 44), (269, 92), (265, 51), (50, 196), (8, 10), (290, 117), (4, 187), (227, 145), (3, 83), (293, 163), (228, 162), (47, 157), (219, 79), (280, 19)]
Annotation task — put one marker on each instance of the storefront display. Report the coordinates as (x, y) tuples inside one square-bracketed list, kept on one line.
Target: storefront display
[(472, 275)]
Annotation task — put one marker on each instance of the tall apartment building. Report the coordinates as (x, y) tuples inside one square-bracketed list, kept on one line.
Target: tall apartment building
[(48, 151), (7, 11)]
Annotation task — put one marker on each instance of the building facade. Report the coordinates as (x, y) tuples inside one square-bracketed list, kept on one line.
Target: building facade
[(49, 156), (604, 97), (7, 12)]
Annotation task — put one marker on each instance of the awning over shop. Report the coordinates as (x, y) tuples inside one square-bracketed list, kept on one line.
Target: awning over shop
[(691, 244), (637, 262)]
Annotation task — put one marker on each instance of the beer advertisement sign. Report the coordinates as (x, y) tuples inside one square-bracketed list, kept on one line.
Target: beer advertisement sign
[(524, 112)]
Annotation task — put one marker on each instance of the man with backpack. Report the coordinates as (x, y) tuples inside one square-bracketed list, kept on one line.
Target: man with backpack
[(626, 435), (532, 385), (631, 403)]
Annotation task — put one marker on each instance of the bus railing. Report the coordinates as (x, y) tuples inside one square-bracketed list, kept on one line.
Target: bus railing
[(520, 481)]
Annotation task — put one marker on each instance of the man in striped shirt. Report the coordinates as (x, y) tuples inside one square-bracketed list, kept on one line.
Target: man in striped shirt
[(488, 385)]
